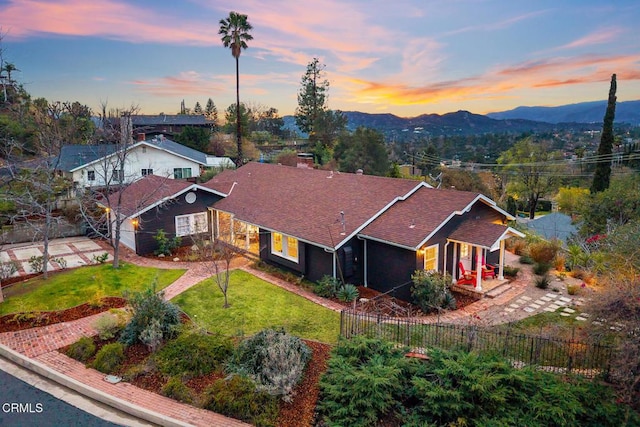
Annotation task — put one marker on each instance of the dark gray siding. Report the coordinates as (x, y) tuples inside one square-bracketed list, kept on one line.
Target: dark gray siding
[(163, 217), (389, 267)]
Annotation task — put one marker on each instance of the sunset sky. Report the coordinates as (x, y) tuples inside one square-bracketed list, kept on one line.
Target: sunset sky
[(406, 57)]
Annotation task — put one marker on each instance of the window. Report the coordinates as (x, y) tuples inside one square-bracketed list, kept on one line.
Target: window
[(91, 175), (191, 224), (147, 172), (431, 258), (284, 246), (118, 175), (180, 173)]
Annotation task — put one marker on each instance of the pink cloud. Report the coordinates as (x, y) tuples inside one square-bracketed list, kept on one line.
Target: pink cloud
[(605, 35), (110, 19)]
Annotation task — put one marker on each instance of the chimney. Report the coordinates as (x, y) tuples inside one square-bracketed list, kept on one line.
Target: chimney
[(359, 172), (141, 137)]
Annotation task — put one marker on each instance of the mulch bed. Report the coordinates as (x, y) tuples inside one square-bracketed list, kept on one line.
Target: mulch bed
[(299, 412), (20, 321)]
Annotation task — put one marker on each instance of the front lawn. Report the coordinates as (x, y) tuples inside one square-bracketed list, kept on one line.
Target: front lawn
[(256, 305), (67, 289)]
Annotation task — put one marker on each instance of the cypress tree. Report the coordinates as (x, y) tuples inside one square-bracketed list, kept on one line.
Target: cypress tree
[(602, 176)]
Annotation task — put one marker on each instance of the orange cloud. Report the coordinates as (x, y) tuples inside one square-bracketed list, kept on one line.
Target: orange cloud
[(500, 83)]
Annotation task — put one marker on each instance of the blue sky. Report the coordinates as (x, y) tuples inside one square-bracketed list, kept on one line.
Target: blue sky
[(406, 57)]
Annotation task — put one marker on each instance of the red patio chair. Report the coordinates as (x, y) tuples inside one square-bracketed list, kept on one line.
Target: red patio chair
[(488, 272), (466, 277)]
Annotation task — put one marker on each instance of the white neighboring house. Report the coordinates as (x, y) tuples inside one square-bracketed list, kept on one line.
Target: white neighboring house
[(96, 165)]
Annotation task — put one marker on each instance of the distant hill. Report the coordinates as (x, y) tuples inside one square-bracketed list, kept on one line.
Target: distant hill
[(584, 112), (459, 123)]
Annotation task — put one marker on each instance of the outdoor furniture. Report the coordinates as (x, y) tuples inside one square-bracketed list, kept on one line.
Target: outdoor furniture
[(488, 272), (466, 277)]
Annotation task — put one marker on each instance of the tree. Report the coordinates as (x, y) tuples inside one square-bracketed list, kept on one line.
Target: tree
[(531, 165), (364, 149), (311, 97), (613, 207), (235, 35), (232, 114), (194, 137), (106, 209), (602, 176), (34, 187), (211, 113), (197, 109), (215, 259)]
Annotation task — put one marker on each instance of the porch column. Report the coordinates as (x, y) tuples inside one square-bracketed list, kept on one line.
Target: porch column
[(455, 272), (366, 262), (478, 268), (501, 264)]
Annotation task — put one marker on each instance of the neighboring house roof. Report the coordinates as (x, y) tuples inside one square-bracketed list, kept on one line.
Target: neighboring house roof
[(307, 203), (409, 223), (164, 119), (555, 225), (73, 157), (148, 192)]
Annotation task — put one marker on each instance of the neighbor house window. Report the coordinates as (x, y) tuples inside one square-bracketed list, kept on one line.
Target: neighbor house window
[(284, 246), (431, 258), (147, 172), (180, 173), (91, 175), (118, 175), (191, 224)]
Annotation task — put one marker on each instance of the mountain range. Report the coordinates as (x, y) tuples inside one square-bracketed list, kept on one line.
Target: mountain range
[(577, 117)]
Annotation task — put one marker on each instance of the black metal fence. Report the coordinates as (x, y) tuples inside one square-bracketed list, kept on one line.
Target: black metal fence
[(550, 354)]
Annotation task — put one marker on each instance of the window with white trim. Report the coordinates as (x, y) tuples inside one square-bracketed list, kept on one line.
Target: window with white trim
[(431, 258), (181, 173), (118, 175), (191, 224), (284, 246), (91, 175)]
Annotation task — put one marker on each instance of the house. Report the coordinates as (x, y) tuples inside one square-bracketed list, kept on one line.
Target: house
[(368, 230), (151, 203), (99, 165), (168, 124)]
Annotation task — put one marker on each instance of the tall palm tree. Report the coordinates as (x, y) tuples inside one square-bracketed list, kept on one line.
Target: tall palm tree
[(235, 35)]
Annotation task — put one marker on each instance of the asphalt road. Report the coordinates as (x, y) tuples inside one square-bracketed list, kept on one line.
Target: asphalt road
[(22, 404)]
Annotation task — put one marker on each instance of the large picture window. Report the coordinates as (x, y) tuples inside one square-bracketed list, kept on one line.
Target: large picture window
[(191, 224), (284, 246), (431, 258), (181, 173)]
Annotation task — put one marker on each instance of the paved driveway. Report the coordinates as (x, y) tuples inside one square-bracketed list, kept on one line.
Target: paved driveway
[(68, 252)]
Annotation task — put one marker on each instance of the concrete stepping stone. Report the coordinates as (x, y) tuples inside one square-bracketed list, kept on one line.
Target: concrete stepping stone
[(562, 313), (552, 296), (534, 306), (549, 309), (582, 319), (514, 305), (529, 309), (565, 299), (546, 299), (554, 306), (568, 310), (509, 310)]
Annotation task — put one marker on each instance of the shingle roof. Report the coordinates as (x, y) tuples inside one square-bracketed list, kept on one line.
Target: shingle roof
[(163, 119), (179, 149), (479, 233), (145, 192), (74, 156), (409, 222), (306, 203)]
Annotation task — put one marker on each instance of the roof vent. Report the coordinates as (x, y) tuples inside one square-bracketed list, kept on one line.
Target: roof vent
[(359, 172)]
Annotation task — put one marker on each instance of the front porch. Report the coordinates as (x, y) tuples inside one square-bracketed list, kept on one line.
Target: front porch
[(490, 288)]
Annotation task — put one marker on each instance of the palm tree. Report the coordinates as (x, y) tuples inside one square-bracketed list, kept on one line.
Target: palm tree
[(9, 68), (235, 34)]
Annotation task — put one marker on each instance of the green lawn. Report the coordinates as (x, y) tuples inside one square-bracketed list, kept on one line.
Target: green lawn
[(255, 305), (67, 289)]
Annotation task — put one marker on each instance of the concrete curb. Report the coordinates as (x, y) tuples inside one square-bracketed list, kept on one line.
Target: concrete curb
[(119, 404)]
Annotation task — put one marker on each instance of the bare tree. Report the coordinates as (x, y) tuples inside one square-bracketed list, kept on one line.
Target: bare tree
[(216, 257), (35, 185), (109, 204)]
